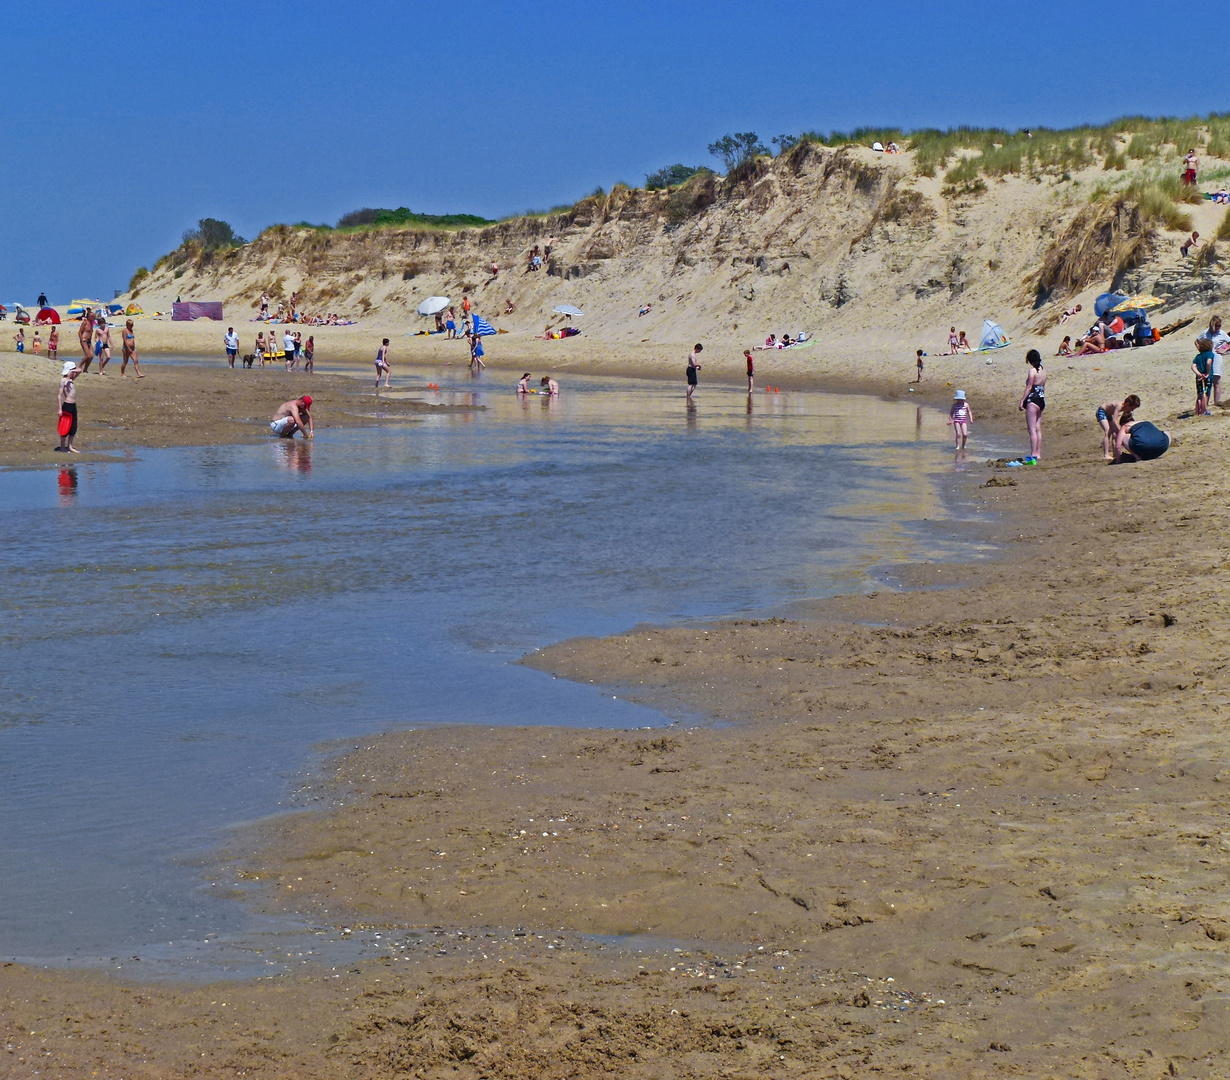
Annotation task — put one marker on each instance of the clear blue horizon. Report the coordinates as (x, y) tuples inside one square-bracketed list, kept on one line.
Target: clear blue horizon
[(126, 122)]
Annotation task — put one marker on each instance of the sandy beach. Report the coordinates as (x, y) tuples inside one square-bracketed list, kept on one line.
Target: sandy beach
[(968, 828)]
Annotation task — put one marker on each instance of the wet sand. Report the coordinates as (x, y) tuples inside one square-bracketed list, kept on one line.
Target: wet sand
[(175, 406), (1003, 790)]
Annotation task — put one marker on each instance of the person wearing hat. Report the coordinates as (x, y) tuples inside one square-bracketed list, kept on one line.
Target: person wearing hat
[(960, 416), (66, 401), (293, 416)]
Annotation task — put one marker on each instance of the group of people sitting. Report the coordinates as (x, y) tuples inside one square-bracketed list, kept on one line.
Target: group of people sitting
[(784, 342), (1109, 332), (548, 385), (289, 313)]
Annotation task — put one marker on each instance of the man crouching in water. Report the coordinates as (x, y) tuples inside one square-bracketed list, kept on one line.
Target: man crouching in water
[(293, 416)]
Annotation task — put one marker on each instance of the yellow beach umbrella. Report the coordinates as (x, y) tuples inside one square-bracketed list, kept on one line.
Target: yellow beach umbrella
[(1139, 303)]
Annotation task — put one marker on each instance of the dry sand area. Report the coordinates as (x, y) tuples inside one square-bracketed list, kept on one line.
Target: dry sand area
[(974, 828)]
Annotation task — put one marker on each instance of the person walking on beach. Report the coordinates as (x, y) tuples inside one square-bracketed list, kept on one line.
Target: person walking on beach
[(476, 351), (918, 360), (693, 368), (751, 370), (451, 325), (288, 348), (66, 405), (85, 337), (293, 416), (960, 416), (1032, 404), (309, 351), (1202, 366), (128, 346), (19, 339), (231, 340), (53, 344), (382, 364), (42, 300), (1111, 416), (103, 345)]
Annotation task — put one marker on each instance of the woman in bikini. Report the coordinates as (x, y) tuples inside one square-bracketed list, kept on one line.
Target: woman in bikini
[(1112, 415), (1032, 404), (129, 348)]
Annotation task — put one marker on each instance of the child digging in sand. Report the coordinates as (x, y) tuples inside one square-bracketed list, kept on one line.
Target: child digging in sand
[(960, 416)]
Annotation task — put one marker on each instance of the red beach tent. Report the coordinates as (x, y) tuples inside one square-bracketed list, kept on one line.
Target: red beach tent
[(48, 315)]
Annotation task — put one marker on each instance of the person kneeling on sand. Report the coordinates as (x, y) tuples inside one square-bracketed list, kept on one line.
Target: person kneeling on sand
[(1139, 440), (293, 416), (1065, 346)]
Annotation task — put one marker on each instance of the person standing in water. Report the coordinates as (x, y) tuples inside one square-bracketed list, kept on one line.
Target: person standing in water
[(1032, 404), (104, 345), (382, 364), (960, 416), (129, 350), (309, 352), (53, 344), (231, 340), (693, 367), (751, 370), (66, 405)]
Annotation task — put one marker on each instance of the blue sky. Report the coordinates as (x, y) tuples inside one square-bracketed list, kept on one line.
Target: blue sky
[(123, 123)]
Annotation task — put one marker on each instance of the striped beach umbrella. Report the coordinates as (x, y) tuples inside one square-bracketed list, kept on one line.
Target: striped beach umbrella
[(482, 327)]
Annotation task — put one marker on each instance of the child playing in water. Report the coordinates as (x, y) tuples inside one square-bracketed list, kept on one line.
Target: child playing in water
[(960, 416), (1202, 365), (552, 387), (523, 385)]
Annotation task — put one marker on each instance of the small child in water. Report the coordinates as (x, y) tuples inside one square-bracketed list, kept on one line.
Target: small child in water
[(960, 416), (552, 387)]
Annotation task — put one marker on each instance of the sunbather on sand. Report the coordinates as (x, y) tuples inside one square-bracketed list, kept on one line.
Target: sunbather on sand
[(963, 343), (1094, 342), (769, 343)]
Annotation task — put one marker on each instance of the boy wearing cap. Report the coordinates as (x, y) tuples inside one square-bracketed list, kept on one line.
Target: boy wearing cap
[(293, 416), (66, 401)]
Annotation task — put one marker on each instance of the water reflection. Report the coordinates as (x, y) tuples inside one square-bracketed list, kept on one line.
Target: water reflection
[(66, 482)]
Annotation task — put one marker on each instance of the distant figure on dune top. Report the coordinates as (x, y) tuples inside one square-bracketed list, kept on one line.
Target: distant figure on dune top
[(1190, 165)]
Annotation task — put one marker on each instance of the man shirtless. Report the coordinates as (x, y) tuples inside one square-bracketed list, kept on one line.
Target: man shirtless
[(129, 351), (293, 416), (86, 338), (103, 343)]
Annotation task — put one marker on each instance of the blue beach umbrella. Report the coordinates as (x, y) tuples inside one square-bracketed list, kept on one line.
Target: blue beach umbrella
[(482, 327)]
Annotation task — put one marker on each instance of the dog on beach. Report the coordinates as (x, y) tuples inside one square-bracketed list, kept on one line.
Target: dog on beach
[(248, 358)]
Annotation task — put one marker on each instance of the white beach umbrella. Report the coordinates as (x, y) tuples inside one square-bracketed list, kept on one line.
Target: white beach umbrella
[(568, 309), (433, 305)]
